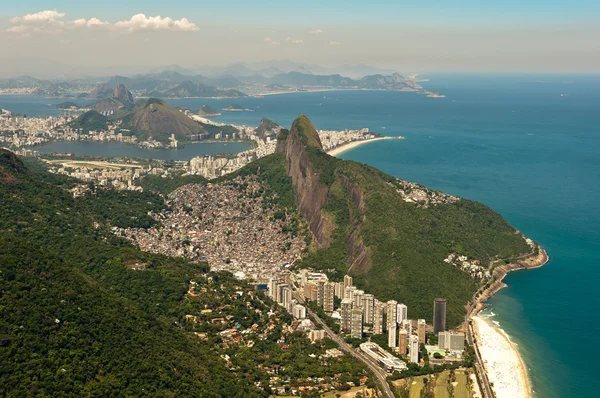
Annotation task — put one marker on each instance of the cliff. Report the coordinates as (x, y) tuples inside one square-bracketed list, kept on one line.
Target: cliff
[(310, 193)]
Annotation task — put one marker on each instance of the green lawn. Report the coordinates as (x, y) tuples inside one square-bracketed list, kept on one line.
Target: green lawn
[(461, 390)]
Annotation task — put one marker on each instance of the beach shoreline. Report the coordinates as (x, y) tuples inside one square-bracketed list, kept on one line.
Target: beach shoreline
[(511, 353), (503, 364), (355, 144)]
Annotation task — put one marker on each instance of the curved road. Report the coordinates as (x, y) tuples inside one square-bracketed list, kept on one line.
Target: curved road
[(379, 373)]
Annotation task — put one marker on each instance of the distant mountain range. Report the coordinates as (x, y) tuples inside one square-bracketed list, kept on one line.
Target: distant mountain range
[(230, 81)]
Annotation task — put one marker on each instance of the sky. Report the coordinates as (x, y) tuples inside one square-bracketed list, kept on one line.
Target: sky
[(78, 37)]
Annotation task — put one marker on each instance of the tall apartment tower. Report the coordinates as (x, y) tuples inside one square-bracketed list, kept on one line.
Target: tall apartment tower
[(357, 299), (402, 313), (349, 292), (328, 295), (439, 315), (421, 326), (347, 281), (413, 349), (378, 317), (408, 325), (339, 290), (392, 307), (346, 315), (357, 323), (368, 305), (403, 341), (320, 292), (392, 336)]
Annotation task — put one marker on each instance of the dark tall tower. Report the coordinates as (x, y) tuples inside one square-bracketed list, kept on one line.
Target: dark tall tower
[(439, 315)]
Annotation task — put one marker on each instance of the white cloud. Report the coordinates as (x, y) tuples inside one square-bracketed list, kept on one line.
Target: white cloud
[(82, 23), (297, 41), (47, 16), (140, 22), (52, 21), (316, 32), (334, 43)]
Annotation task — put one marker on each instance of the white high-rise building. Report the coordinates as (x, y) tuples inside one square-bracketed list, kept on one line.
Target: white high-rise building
[(407, 324), (299, 311), (393, 336), (347, 281), (357, 298), (392, 307), (402, 313), (346, 313), (339, 290), (349, 292), (357, 323), (413, 349), (378, 317), (368, 305), (328, 296)]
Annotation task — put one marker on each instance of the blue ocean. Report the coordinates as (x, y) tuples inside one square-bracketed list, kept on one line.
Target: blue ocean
[(526, 145)]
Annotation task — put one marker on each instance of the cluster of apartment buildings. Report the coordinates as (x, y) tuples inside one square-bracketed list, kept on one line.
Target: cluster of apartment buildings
[(331, 139), (361, 314)]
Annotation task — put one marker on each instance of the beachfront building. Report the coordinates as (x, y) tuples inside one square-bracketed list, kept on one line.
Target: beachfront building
[(454, 342), (413, 349), (439, 315)]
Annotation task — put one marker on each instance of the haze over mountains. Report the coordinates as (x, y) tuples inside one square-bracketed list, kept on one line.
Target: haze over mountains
[(230, 81)]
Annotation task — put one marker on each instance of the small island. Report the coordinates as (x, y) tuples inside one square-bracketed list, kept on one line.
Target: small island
[(67, 105), (207, 111), (237, 108)]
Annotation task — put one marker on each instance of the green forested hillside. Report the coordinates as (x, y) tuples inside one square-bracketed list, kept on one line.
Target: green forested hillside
[(77, 320)]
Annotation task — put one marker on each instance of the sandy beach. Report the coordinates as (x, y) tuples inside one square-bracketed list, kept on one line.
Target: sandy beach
[(503, 364), (351, 145)]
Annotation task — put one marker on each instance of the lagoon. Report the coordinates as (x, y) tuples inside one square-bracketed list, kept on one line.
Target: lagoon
[(86, 148)]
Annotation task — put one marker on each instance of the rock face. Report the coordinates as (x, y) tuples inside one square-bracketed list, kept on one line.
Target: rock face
[(120, 92), (119, 98), (311, 195)]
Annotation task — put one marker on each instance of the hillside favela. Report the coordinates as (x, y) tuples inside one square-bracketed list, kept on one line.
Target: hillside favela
[(299, 199)]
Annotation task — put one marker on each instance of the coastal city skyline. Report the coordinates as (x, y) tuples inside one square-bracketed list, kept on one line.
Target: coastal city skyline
[(39, 37)]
